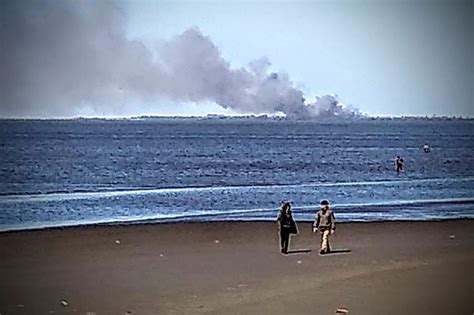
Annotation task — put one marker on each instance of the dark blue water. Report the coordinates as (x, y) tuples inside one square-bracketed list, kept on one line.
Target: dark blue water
[(55, 173)]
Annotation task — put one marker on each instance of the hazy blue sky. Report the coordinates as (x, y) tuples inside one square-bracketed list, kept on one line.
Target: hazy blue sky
[(383, 57)]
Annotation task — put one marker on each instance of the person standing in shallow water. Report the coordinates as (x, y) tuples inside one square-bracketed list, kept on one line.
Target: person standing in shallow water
[(326, 224), (287, 226), (399, 164)]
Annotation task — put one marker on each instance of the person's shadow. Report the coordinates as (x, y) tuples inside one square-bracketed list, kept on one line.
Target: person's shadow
[(299, 251), (332, 252), (338, 251)]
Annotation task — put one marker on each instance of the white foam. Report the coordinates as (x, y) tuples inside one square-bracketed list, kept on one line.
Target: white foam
[(137, 192), (227, 215)]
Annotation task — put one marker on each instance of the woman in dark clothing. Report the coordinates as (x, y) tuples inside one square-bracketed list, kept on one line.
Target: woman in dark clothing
[(287, 226)]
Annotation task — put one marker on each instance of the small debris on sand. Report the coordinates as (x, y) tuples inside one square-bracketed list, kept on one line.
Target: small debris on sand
[(342, 310), (20, 305), (64, 303), (299, 262), (452, 237), (162, 255), (216, 241), (117, 242)]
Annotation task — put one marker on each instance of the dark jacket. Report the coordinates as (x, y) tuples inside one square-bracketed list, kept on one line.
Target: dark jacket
[(325, 220), (287, 223)]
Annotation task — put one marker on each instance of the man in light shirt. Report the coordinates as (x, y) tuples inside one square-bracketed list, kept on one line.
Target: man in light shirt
[(326, 224)]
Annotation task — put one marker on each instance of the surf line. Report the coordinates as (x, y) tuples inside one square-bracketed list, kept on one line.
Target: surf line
[(209, 214), (63, 196)]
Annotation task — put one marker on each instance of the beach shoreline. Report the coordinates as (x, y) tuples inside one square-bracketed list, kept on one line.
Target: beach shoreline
[(203, 220), (234, 267)]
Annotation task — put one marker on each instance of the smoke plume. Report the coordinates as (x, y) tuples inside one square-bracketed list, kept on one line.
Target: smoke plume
[(60, 56)]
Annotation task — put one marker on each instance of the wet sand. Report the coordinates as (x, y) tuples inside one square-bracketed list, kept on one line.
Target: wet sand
[(236, 268)]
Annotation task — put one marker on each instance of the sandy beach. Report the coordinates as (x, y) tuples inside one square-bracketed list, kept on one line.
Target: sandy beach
[(236, 268)]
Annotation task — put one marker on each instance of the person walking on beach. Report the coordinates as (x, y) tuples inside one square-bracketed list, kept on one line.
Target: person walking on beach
[(287, 226), (326, 224)]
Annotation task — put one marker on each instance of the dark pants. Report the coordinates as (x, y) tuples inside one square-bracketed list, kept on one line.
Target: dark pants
[(284, 239), (399, 167)]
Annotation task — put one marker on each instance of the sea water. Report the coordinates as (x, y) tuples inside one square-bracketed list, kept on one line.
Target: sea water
[(72, 172)]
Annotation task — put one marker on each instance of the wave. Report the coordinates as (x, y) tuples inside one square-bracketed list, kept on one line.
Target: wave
[(394, 203), (348, 212), (84, 194)]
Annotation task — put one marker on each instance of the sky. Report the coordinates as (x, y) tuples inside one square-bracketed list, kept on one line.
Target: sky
[(128, 58)]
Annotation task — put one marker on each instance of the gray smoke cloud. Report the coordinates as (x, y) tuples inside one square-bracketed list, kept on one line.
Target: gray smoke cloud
[(60, 56)]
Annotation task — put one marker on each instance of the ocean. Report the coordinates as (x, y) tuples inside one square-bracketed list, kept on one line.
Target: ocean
[(74, 172)]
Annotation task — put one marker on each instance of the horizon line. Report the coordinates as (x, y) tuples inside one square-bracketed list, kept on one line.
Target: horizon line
[(244, 116)]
